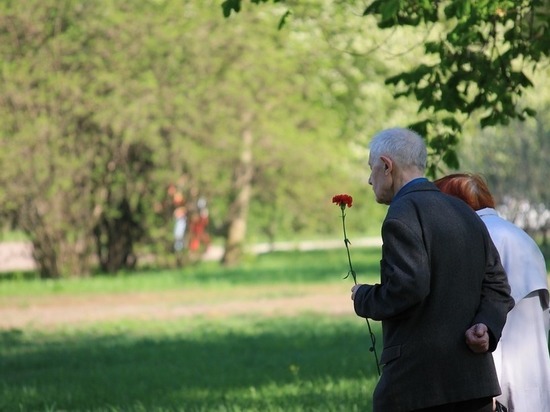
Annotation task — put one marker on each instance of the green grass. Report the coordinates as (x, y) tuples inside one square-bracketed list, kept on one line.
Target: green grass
[(278, 267), (303, 363), (235, 363), (13, 236)]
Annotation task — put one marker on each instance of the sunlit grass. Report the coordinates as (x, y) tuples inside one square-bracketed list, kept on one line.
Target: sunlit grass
[(286, 267)]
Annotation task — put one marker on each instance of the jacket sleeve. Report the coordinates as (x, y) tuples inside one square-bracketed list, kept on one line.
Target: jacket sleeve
[(404, 272), (496, 300)]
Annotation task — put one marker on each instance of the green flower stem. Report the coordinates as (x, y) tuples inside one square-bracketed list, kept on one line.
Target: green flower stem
[(347, 243)]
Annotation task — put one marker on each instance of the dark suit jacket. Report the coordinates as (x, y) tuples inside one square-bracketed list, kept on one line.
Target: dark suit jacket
[(440, 274)]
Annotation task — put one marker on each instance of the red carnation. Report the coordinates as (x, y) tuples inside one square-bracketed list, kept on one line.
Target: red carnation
[(343, 200)]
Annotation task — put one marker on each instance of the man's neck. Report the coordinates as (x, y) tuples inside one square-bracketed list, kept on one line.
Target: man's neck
[(405, 177)]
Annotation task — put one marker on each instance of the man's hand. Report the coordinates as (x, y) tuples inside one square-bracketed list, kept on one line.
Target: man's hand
[(477, 338), (354, 290)]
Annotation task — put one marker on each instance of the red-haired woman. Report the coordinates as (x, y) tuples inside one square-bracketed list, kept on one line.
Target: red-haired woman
[(521, 358)]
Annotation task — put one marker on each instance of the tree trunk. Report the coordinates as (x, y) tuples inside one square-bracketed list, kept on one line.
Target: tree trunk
[(45, 258), (115, 240), (242, 190), (44, 251)]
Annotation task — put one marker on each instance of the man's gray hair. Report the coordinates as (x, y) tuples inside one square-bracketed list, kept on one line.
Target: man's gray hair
[(403, 146)]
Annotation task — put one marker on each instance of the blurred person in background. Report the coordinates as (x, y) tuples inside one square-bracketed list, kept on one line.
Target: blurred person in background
[(180, 226), (199, 239), (522, 359)]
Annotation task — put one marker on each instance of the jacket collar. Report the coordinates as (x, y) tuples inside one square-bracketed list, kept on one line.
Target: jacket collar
[(487, 211), (420, 183)]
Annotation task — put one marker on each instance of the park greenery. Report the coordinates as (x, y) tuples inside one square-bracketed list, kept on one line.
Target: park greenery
[(105, 105), (307, 360), (245, 363), (477, 57)]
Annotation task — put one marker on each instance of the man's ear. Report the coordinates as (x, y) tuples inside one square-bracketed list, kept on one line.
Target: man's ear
[(388, 164)]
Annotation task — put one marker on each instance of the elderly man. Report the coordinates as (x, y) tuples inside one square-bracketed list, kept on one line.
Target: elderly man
[(443, 296)]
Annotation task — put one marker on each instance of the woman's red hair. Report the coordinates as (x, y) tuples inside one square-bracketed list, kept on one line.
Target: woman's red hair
[(469, 187)]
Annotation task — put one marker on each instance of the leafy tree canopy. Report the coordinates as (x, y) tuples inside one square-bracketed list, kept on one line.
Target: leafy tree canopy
[(109, 107), (481, 56)]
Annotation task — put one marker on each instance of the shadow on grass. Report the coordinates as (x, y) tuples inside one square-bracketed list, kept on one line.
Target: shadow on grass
[(305, 363)]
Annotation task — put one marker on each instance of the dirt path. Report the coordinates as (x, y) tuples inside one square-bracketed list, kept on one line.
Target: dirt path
[(54, 311), (48, 312), (16, 256)]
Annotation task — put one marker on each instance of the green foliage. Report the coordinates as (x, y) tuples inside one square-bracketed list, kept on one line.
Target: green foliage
[(229, 6), (477, 55), (110, 103), (91, 168), (481, 57)]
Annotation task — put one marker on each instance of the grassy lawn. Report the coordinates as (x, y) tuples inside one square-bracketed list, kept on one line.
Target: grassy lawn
[(251, 362), (303, 363), (305, 268)]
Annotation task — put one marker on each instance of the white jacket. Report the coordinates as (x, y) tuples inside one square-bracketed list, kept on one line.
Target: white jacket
[(521, 358)]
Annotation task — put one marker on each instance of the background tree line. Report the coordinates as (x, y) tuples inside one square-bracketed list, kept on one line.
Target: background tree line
[(105, 105), (479, 59)]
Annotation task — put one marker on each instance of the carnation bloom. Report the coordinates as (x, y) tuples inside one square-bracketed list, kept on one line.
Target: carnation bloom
[(342, 201)]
